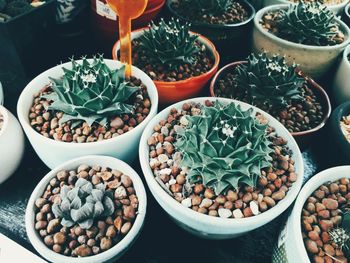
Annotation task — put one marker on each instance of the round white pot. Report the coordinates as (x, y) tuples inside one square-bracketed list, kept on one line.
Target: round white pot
[(341, 88), (204, 225), (11, 144), (1, 95), (113, 253), (290, 247), (313, 60), (337, 9), (53, 153)]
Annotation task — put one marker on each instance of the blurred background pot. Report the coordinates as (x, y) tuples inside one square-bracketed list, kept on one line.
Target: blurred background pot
[(341, 84)]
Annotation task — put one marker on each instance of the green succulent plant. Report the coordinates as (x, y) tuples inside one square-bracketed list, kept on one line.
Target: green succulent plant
[(169, 43), (308, 23), (211, 7), (268, 81), (83, 203), (341, 235), (224, 147), (91, 92)]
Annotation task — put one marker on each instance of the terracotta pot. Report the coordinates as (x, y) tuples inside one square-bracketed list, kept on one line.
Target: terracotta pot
[(106, 29), (170, 92), (303, 138)]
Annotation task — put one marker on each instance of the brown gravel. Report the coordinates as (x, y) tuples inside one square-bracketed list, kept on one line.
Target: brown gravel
[(272, 187), (106, 232), (235, 14), (297, 117), (203, 62), (322, 212), (344, 125), (47, 122)]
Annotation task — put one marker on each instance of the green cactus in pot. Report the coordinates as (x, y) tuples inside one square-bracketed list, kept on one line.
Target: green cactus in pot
[(91, 92), (224, 147)]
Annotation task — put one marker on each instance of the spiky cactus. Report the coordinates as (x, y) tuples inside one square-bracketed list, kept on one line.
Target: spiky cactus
[(341, 235), (224, 147), (268, 81), (169, 43), (82, 204), (91, 92), (211, 7), (308, 23)]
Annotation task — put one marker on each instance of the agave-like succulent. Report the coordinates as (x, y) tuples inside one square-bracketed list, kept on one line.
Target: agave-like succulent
[(211, 7), (341, 235), (91, 92), (307, 23), (224, 147), (169, 43), (268, 81), (83, 203)]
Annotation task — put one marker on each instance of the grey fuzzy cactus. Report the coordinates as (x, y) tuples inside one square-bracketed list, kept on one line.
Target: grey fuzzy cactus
[(83, 204), (169, 43), (308, 23), (224, 147), (91, 92), (268, 81), (341, 235)]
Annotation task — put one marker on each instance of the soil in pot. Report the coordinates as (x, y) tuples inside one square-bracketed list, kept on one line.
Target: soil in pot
[(344, 125), (129, 110), (305, 23), (295, 105), (211, 12), (196, 186), (324, 222), (86, 211), (168, 52), (13, 8)]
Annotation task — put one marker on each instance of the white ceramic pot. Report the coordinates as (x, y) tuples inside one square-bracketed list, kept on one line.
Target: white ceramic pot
[(314, 61), (337, 9), (11, 144), (204, 225), (341, 88), (113, 253), (290, 247), (53, 153), (1, 95)]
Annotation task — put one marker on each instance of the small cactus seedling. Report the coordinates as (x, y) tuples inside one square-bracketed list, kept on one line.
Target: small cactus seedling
[(91, 92), (268, 81), (224, 147), (308, 23), (341, 235), (83, 204), (169, 43)]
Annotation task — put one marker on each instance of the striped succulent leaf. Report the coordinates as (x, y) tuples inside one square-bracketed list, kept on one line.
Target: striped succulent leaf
[(224, 147)]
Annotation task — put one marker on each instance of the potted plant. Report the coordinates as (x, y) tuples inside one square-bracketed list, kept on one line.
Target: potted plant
[(90, 209), (12, 143), (341, 91), (340, 130), (337, 6), (225, 22), (220, 168), (307, 33), (179, 62), (294, 99), (346, 15), (104, 21), (317, 229), (87, 107)]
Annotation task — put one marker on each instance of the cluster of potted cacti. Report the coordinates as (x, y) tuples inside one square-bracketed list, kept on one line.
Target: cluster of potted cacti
[(220, 166)]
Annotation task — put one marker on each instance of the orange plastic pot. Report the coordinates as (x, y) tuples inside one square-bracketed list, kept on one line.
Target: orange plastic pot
[(171, 92), (303, 138)]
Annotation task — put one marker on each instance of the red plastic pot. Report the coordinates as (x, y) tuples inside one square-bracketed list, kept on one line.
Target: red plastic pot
[(303, 138), (106, 29), (170, 92)]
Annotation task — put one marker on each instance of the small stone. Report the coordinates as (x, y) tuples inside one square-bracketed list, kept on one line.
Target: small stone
[(83, 250), (40, 225), (40, 202), (254, 207), (311, 246), (62, 175), (224, 213), (106, 175), (82, 239), (167, 171), (53, 224), (111, 231), (237, 213), (163, 158), (184, 120), (279, 195), (118, 222), (209, 193), (206, 203), (48, 240), (83, 167), (129, 212), (126, 181), (187, 202), (57, 248), (59, 238), (120, 193), (330, 203), (126, 228), (117, 123)]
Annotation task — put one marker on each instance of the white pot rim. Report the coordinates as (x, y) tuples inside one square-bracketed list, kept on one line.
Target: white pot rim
[(342, 26), (5, 115), (334, 6), (206, 219), (117, 248), (346, 53), (305, 192), (27, 91)]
